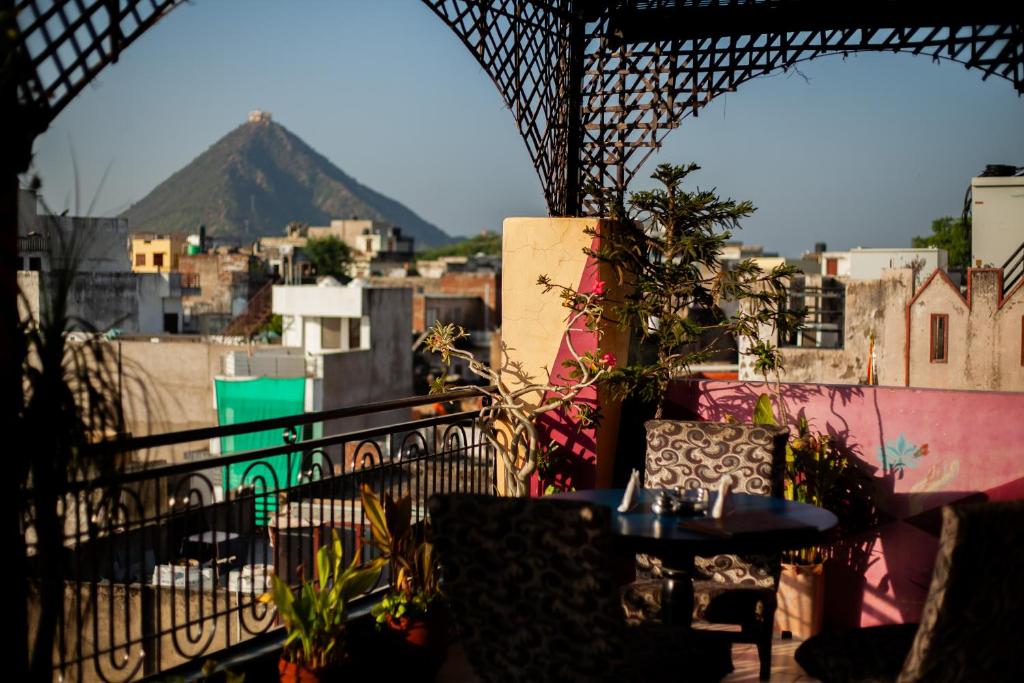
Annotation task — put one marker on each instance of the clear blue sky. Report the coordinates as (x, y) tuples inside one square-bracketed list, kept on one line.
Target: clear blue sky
[(866, 153)]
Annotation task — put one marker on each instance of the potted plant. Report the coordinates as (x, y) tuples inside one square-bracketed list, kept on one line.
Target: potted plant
[(315, 613), (686, 305), (816, 472), (411, 605)]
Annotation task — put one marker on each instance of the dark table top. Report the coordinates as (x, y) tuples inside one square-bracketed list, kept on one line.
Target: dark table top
[(757, 524)]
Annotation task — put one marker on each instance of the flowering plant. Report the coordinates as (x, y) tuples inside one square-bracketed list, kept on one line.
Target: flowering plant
[(516, 399)]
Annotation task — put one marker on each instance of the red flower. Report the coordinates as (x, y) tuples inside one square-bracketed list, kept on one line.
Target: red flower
[(599, 288), (609, 360)]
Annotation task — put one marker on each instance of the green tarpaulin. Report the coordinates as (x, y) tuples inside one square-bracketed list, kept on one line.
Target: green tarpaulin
[(259, 399)]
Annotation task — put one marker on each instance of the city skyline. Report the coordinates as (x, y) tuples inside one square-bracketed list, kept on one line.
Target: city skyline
[(861, 153)]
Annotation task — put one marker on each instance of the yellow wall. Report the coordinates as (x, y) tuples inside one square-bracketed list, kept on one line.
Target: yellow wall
[(170, 246)]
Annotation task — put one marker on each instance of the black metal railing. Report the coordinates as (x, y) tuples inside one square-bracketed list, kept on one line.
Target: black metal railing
[(1013, 269), (165, 564)]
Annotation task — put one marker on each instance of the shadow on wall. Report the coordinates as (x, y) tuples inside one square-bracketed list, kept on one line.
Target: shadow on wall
[(915, 450)]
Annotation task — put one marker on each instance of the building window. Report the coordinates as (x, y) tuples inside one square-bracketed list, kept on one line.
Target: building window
[(832, 266), (824, 309), (939, 345), (158, 260), (140, 259), (355, 340), (330, 333), (35, 263)]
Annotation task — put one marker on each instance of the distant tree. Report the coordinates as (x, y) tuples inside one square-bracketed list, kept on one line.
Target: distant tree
[(487, 243), (953, 235), (329, 256)]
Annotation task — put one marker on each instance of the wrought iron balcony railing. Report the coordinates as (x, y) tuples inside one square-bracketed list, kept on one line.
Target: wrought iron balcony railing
[(164, 564)]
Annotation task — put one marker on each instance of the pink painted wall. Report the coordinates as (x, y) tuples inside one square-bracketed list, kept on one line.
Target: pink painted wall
[(923, 448)]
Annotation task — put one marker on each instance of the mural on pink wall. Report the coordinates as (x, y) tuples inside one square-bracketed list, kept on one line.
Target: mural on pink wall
[(922, 448)]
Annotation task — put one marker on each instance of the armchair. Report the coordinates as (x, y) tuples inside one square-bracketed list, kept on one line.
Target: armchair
[(728, 589), (531, 589)]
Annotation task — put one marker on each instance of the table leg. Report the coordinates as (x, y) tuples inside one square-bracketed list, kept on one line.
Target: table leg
[(677, 596)]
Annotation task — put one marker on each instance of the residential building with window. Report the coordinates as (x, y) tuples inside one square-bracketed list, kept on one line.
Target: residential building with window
[(863, 263), (152, 253), (966, 341), (357, 341), (106, 294)]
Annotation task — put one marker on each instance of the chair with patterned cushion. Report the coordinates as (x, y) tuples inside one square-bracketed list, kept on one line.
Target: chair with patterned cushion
[(728, 589), (531, 589), (971, 626)]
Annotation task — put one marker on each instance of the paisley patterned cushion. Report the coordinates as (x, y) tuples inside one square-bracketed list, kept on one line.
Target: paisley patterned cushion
[(692, 454), (699, 454), (531, 589), (714, 602)]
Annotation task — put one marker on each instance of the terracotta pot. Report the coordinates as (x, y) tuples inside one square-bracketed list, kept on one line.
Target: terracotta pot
[(422, 642), (290, 672), (801, 600)]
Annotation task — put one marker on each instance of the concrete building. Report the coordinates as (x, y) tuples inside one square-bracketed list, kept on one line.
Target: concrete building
[(436, 268), (100, 244), (285, 256), (152, 253), (868, 263), (106, 293), (221, 283), (357, 339), (849, 321), (966, 342), (997, 219), (929, 336), (371, 238), (378, 249)]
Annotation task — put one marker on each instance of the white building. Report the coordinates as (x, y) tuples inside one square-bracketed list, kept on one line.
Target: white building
[(356, 339), (997, 219), (868, 263)]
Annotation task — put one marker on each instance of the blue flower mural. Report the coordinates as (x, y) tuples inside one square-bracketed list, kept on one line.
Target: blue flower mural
[(901, 454)]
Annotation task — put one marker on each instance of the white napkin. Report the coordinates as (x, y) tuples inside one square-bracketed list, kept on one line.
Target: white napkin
[(630, 494), (723, 503)]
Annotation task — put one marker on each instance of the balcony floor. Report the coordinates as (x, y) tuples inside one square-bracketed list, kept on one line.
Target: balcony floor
[(744, 658)]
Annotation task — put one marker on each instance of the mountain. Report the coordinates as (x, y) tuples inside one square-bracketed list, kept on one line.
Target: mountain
[(257, 179)]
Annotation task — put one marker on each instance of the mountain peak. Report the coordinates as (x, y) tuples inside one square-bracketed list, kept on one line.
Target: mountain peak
[(258, 178)]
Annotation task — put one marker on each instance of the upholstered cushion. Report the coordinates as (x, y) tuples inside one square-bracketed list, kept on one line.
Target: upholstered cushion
[(699, 454), (693, 454), (713, 602), (531, 590), (971, 625), (866, 655)]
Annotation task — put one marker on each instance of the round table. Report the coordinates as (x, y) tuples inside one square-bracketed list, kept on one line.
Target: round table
[(757, 524)]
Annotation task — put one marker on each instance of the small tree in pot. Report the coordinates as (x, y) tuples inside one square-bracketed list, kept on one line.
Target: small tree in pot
[(669, 247)]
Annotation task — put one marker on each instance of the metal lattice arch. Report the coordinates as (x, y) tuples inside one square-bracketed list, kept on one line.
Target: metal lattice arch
[(594, 85)]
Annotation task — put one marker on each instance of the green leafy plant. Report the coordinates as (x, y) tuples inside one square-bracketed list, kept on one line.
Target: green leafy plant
[(669, 248), (816, 471), (70, 401), (315, 613), (414, 580)]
